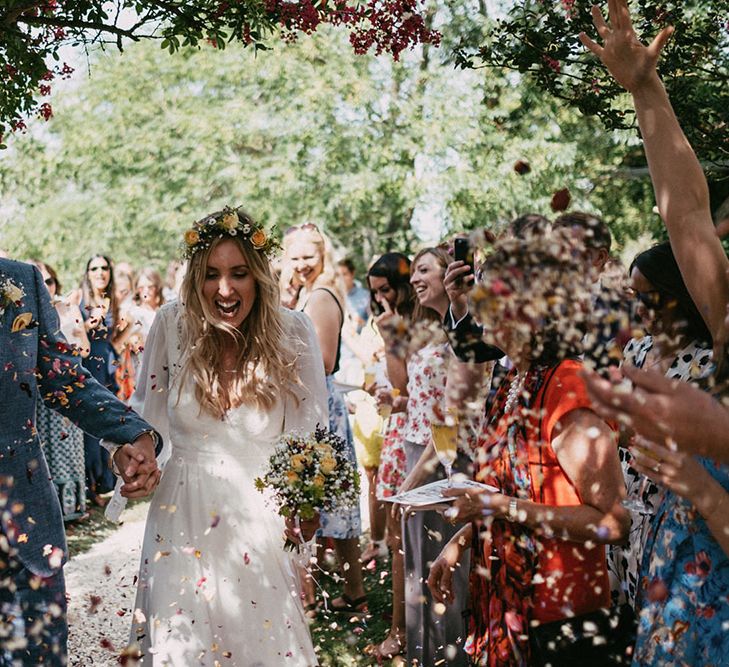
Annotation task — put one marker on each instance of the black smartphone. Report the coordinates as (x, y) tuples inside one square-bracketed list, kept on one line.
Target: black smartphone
[(463, 251)]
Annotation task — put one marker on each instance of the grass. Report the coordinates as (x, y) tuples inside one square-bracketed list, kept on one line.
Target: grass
[(340, 641)]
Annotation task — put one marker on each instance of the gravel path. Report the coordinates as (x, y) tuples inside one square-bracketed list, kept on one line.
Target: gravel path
[(101, 588), (101, 585)]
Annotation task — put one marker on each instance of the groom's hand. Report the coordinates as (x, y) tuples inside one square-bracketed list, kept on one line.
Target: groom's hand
[(137, 464)]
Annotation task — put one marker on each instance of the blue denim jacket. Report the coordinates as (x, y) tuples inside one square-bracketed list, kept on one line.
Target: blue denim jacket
[(36, 362)]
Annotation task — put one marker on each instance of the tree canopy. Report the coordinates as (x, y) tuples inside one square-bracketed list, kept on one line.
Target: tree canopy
[(33, 33), (539, 39), (368, 148)]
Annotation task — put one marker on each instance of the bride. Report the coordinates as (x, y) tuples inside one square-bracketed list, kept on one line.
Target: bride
[(225, 372)]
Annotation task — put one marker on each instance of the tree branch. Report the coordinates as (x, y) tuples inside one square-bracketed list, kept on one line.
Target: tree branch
[(13, 14), (84, 25)]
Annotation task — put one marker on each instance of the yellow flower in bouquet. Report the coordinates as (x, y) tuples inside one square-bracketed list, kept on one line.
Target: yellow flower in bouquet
[(328, 464), (324, 450), (298, 461), (309, 474), (292, 477)]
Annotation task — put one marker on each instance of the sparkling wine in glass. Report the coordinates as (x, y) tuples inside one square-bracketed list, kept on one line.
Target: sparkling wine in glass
[(369, 379), (385, 411), (445, 440)]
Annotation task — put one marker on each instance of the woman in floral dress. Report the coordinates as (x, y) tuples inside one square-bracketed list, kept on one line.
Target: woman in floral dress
[(308, 252)]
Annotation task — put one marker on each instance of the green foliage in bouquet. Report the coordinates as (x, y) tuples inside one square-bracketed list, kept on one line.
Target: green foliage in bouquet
[(309, 474)]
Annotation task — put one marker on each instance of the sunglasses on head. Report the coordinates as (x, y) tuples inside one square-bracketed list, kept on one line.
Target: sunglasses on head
[(99, 268), (309, 226)]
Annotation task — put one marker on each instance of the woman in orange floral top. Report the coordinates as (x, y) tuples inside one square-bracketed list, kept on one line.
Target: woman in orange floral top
[(538, 550)]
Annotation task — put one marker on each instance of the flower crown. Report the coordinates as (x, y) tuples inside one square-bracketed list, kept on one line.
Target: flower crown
[(228, 222)]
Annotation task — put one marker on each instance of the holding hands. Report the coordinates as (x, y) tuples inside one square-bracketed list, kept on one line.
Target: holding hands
[(137, 465), (631, 63)]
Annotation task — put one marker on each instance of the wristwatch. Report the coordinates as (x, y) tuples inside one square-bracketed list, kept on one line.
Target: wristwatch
[(512, 514)]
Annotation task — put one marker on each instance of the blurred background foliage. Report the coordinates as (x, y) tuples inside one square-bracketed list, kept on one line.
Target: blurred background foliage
[(384, 155)]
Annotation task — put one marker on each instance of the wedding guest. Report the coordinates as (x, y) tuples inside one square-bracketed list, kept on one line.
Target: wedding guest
[(100, 311), (124, 278), (356, 296), (678, 344), (173, 280), (63, 442), (135, 323), (354, 355), (39, 364), (432, 636), (225, 373), (685, 570), (537, 545), (309, 253), (392, 296)]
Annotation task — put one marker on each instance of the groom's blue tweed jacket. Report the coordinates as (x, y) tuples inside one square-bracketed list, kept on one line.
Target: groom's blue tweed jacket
[(36, 362)]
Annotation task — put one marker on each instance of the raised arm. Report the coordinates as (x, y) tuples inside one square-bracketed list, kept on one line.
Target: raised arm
[(681, 190), (665, 411)]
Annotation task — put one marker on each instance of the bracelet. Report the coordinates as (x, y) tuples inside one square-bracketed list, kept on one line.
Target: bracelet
[(112, 462), (512, 514)]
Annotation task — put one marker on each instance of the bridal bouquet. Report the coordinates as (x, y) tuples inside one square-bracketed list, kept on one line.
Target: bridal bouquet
[(309, 474)]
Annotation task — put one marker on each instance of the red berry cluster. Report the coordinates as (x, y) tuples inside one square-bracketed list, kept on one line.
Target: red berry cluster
[(295, 17), (552, 64), (394, 25), (569, 8), (387, 25)]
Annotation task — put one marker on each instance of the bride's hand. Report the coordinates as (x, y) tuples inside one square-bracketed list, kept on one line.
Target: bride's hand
[(305, 530)]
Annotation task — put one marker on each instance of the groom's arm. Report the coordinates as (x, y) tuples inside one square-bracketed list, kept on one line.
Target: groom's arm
[(67, 387)]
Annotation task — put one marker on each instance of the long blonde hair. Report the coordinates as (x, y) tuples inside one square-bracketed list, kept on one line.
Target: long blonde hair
[(328, 278), (265, 362)]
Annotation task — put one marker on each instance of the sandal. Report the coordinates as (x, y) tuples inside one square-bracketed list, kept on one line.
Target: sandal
[(390, 647), (311, 610), (350, 606), (375, 550)]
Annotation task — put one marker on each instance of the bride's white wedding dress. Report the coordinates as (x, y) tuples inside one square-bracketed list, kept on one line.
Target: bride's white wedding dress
[(215, 585)]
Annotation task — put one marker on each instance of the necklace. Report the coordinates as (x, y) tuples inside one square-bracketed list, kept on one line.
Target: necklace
[(512, 395)]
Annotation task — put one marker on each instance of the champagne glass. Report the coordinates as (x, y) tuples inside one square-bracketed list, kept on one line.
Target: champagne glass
[(369, 379), (385, 411), (445, 440)]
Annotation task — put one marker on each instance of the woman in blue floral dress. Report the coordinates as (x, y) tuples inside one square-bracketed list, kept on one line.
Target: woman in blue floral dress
[(684, 587), (307, 252), (683, 594)]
